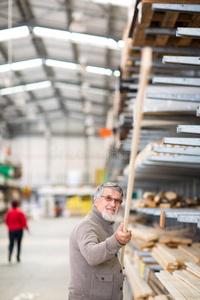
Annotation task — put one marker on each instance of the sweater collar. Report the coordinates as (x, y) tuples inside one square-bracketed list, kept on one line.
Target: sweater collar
[(99, 218)]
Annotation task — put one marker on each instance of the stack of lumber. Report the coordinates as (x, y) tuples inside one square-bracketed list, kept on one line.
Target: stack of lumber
[(193, 268), (193, 251), (165, 199), (146, 237), (171, 259), (183, 284), (139, 287), (174, 236), (174, 241), (158, 297)]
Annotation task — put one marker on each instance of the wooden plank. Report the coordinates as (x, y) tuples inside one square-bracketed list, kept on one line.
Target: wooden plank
[(178, 240), (139, 32), (162, 219), (163, 260), (191, 251), (168, 21), (193, 272), (170, 287), (194, 292), (194, 267), (146, 60), (190, 280), (139, 286), (146, 236), (175, 254), (179, 286), (158, 297)]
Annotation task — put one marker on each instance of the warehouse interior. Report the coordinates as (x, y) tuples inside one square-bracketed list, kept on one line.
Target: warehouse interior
[(70, 90)]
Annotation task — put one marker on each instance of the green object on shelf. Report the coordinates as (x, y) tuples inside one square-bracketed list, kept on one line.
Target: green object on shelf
[(8, 171)]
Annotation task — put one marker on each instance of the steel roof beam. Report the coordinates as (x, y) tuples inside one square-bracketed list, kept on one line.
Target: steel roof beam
[(31, 101), (37, 42), (26, 13), (68, 10), (23, 118)]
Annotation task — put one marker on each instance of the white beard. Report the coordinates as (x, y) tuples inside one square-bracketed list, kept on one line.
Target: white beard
[(108, 217)]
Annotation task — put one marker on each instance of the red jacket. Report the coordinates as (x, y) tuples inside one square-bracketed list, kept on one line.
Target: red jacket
[(16, 219)]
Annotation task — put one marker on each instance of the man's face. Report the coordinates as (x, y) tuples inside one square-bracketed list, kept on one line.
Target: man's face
[(111, 207)]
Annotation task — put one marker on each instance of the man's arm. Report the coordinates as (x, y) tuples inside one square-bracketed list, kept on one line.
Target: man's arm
[(96, 252)]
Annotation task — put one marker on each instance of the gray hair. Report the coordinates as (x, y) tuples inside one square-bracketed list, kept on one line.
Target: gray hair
[(110, 185)]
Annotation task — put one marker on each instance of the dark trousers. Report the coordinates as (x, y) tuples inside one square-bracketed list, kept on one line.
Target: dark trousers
[(15, 235)]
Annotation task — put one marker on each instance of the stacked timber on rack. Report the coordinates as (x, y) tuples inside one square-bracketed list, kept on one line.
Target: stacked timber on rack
[(193, 251), (152, 256), (183, 284), (165, 199), (159, 297), (139, 287), (173, 94), (172, 259), (170, 113), (144, 237), (141, 266)]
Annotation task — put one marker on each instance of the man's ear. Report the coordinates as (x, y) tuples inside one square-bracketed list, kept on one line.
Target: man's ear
[(95, 201)]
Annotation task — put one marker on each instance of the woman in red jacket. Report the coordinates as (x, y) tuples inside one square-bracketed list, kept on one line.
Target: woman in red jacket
[(16, 221)]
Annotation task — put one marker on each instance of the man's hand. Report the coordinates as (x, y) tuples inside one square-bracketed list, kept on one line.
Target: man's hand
[(122, 237)]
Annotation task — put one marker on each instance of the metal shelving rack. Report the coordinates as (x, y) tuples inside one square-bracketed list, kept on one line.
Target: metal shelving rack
[(171, 108), (188, 215)]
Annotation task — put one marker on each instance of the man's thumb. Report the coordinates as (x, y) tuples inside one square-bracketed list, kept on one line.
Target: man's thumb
[(121, 226)]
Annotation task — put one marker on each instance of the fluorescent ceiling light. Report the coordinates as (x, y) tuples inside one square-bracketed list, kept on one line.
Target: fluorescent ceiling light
[(21, 65), (5, 68), (77, 37), (12, 90), (51, 33), (98, 70), (26, 87), (94, 40), (116, 73), (120, 43), (23, 31), (14, 33), (72, 66), (122, 3), (38, 85), (61, 64)]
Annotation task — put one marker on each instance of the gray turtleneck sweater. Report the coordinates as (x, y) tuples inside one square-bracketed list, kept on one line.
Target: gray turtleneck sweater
[(95, 271)]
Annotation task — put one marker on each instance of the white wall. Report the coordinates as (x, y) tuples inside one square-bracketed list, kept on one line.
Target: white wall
[(65, 154)]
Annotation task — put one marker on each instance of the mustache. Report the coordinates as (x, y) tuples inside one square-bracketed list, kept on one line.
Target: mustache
[(110, 207)]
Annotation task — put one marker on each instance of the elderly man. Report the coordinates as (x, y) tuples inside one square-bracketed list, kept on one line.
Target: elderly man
[(95, 271)]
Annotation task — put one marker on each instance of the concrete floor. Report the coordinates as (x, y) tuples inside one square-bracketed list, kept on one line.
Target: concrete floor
[(43, 272)]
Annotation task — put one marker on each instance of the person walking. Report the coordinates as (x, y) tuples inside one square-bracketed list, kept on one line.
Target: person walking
[(95, 271), (16, 221)]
